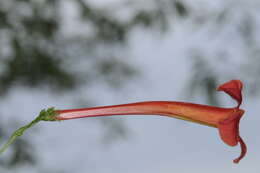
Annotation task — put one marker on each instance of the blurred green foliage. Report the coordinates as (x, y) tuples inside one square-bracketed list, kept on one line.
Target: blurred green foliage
[(203, 80)]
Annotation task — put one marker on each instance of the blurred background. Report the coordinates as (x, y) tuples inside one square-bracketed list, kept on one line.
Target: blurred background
[(81, 53)]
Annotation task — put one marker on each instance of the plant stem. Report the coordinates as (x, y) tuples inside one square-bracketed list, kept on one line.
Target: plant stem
[(45, 115)]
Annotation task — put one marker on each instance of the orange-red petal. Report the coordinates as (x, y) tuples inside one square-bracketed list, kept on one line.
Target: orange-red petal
[(243, 150), (233, 88), (229, 128), (229, 133)]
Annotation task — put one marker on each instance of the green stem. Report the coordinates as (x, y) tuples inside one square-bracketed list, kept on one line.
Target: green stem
[(45, 115)]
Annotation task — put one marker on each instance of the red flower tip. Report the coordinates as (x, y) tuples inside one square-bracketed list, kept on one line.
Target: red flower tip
[(243, 150), (233, 88), (229, 128), (229, 132)]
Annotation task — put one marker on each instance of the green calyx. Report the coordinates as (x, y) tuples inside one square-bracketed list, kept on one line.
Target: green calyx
[(44, 115), (47, 115)]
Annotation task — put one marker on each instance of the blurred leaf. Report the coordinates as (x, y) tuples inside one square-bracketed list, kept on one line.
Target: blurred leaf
[(180, 8), (3, 19), (20, 155), (115, 71), (34, 67), (114, 128), (203, 79), (40, 26), (143, 17), (110, 30), (246, 29), (86, 10)]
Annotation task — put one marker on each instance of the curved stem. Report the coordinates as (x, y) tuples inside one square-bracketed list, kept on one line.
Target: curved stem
[(45, 115)]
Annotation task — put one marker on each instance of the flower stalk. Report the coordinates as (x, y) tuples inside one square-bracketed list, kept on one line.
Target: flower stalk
[(44, 115)]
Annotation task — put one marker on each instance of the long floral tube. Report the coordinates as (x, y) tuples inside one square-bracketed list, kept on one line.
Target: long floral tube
[(225, 119), (202, 114)]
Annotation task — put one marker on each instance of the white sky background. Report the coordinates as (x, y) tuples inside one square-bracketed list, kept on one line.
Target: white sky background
[(155, 144)]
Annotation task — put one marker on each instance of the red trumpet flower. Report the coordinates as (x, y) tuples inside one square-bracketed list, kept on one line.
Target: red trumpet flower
[(225, 119)]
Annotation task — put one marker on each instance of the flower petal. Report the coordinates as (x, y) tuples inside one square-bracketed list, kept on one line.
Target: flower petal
[(243, 150), (229, 132), (229, 128), (233, 88)]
